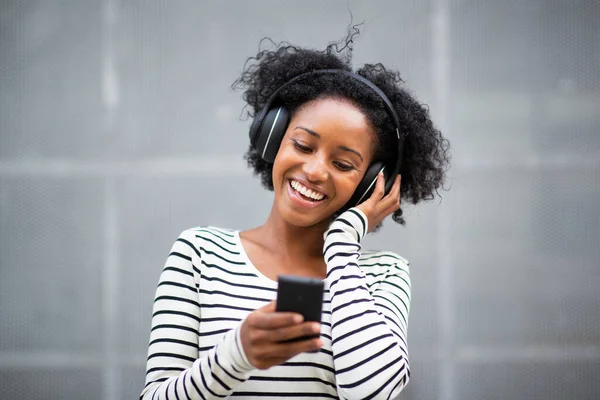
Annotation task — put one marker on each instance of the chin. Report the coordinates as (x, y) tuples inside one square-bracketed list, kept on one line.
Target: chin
[(299, 213)]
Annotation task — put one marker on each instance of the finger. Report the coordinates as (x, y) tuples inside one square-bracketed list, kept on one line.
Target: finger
[(389, 204), (274, 320), (393, 197), (269, 307), (279, 353), (398, 182), (290, 349), (395, 190), (294, 332)]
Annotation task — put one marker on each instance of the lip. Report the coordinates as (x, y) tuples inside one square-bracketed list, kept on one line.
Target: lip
[(299, 201)]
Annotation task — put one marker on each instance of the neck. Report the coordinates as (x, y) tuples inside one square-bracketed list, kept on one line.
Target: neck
[(293, 242)]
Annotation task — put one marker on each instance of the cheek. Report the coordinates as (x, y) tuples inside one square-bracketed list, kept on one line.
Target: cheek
[(275, 173), (282, 162), (347, 185)]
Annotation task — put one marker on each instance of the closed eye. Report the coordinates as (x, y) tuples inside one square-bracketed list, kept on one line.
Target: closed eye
[(343, 166), (301, 147)]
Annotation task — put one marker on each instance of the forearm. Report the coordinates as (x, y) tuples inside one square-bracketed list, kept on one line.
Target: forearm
[(368, 337), (173, 367), (214, 376)]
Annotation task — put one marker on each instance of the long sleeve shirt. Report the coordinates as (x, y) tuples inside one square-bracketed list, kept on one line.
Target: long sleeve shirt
[(208, 286)]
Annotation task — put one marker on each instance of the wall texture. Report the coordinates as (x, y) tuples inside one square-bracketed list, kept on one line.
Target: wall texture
[(118, 130)]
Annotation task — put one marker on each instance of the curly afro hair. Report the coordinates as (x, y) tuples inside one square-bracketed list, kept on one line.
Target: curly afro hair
[(426, 152)]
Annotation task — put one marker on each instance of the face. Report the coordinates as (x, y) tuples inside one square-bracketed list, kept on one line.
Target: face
[(322, 158)]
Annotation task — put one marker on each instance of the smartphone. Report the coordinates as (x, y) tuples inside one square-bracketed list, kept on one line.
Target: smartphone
[(301, 295)]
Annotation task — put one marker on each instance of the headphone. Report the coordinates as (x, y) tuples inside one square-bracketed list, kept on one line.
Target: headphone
[(270, 124)]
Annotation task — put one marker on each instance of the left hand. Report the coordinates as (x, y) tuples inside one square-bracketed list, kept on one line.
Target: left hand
[(377, 207)]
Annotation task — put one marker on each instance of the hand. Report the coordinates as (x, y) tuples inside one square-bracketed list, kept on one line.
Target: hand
[(264, 332), (377, 207)]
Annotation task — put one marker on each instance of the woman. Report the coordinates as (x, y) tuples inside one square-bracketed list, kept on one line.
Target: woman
[(336, 148)]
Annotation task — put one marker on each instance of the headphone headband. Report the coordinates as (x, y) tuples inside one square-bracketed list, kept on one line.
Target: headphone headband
[(388, 104)]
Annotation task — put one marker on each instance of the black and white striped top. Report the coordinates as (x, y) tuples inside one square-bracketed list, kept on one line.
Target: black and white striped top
[(208, 286)]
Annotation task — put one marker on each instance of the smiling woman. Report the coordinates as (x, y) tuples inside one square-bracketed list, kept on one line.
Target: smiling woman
[(337, 148)]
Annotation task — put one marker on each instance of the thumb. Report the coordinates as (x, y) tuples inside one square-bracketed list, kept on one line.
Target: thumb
[(269, 307), (377, 193)]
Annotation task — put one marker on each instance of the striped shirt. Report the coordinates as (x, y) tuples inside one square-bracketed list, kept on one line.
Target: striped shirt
[(208, 286)]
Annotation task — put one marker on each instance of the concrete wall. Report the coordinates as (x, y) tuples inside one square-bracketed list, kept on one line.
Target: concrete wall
[(118, 130)]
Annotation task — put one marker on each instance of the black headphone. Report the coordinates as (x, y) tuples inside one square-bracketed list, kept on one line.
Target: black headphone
[(270, 124)]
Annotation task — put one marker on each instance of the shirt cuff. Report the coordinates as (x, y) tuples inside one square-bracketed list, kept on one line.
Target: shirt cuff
[(233, 352), (352, 221)]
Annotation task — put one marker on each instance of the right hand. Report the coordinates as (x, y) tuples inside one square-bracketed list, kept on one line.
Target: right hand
[(380, 205), (264, 332)]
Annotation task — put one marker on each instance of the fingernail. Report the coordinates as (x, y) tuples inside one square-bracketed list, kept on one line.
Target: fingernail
[(298, 319), (316, 328)]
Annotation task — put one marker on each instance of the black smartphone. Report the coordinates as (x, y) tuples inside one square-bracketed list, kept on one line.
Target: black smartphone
[(302, 295)]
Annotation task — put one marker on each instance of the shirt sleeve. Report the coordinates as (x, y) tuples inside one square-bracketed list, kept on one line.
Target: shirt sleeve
[(174, 370), (368, 325)]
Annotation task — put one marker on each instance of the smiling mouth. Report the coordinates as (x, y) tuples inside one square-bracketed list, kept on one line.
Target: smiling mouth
[(306, 193)]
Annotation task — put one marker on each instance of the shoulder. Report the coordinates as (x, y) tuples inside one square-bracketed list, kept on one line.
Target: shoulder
[(218, 246), (208, 238)]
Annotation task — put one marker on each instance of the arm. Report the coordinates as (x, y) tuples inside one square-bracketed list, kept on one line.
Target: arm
[(368, 329), (173, 368)]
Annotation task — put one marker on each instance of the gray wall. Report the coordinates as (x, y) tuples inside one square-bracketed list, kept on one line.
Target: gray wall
[(119, 130)]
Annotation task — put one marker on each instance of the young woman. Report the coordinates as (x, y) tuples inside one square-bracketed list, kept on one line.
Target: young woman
[(337, 149)]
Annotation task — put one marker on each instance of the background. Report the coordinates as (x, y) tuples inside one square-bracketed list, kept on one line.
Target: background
[(119, 130)]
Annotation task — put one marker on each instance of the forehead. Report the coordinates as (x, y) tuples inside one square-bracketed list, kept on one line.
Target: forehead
[(336, 120)]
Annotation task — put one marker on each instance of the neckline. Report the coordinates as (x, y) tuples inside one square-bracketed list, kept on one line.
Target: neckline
[(261, 276)]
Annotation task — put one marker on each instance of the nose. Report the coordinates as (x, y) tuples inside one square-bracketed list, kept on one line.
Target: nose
[(315, 169)]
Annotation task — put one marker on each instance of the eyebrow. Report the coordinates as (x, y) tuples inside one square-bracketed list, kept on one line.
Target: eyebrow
[(345, 148)]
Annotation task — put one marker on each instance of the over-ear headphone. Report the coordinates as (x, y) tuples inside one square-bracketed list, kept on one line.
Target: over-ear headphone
[(270, 124)]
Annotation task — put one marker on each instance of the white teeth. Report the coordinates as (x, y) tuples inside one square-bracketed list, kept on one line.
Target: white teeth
[(306, 192)]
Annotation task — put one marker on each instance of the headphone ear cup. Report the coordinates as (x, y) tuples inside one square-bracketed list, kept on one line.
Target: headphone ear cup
[(255, 127), (365, 188), (270, 132)]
